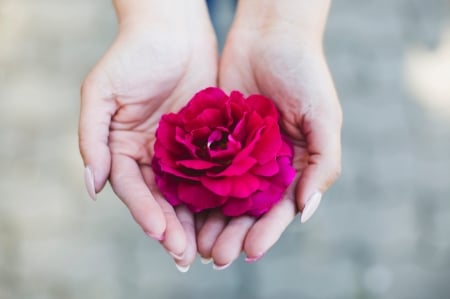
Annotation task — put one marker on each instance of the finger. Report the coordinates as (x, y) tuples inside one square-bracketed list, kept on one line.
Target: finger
[(186, 218), (174, 236), (128, 183), (97, 108), (324, 164), (213, 226), (200, 219), (230, 242), (268, 229)]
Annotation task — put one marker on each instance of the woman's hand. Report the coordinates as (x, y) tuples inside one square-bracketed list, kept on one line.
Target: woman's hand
[(165, 51), (276, 51)]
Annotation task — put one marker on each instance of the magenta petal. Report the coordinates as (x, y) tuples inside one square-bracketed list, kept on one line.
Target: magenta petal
[(166, 131), (197, 164), (236, 206), (236, 186), (216, 135), (269, 169), (166, 183), (286, 174), (228, 153), (268, 145), (210, 117), (243, 185), (198, 196), (219, 186), (263, 106), (245, 152), (239, 132), (264, 200), (187, 141), (286, 148), (207, 98), (236, 168)]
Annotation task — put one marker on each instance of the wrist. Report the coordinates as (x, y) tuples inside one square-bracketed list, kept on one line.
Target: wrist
[(299, 20), (171, 14)]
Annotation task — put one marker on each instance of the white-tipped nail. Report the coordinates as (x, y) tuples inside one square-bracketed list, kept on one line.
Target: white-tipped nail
[(205, 261), (183, 269), (176, 256), (311, 206), (89, 182), (223, 267)]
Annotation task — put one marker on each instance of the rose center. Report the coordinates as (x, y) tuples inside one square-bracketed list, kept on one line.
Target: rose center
[(217, 140)]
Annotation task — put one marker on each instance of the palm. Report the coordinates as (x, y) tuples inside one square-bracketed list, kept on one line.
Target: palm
[(150, 76)]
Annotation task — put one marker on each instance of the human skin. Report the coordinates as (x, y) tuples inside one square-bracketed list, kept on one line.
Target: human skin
[(164, 52), (276, 50)]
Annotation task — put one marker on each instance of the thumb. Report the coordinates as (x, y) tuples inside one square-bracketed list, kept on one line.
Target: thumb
[(97, 108), (324, 164)]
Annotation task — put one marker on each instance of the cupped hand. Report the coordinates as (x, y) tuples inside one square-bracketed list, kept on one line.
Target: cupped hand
[(152, 68), (292, 71)]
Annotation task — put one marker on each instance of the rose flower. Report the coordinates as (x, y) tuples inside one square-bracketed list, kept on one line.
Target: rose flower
[(223, 152)]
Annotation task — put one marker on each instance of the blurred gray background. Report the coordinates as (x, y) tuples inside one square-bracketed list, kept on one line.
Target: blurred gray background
[(383, 231)]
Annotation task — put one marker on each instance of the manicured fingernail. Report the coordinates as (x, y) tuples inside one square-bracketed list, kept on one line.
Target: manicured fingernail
[(253, 259), (182, 269), (221, 267), (311, 206), (176, 256), (205, 261), (156, 237), (89, 182)]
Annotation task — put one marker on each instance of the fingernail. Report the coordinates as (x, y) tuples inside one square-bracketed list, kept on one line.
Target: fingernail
[(176, 256), (223, 267), (182, 269), (89, 182), (205, 261), (153, 236), (311, 206), (253, 259)]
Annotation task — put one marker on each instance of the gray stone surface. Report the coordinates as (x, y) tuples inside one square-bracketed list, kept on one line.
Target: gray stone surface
[(383, 230)]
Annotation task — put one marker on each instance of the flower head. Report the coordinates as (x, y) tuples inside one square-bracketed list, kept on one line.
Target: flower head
[(223, 152)]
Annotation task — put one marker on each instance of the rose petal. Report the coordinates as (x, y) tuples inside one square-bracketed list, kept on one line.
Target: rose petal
[(186, 140), (286, 148), (219, 186), (263, 106), (198, 196), (268, 144), (239, 133), (197, 164), (285, 175), (264, 200), (236, 206), (253, 125), (243, 185), (166, 183), (245, 152), (228, 153), (236, 186), (268, 169), (207, 98), (165, 132), (209, 117), (236, 168), (216, 135)]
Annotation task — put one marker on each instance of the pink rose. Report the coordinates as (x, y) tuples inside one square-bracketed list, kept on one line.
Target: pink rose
[(223, 151)]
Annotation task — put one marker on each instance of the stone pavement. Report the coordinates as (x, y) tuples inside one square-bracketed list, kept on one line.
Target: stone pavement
[(383, 231)]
